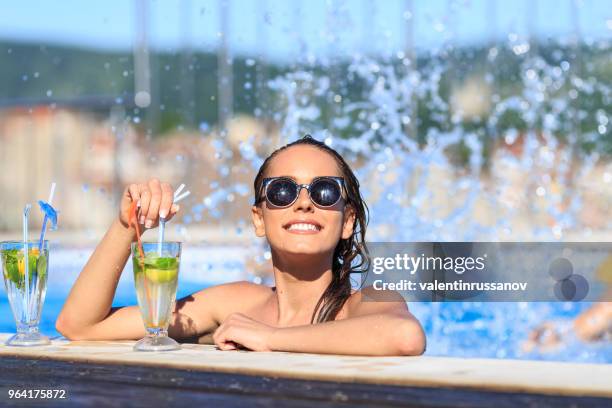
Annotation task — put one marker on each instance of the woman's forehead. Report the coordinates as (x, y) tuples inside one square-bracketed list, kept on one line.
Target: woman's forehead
[(303, 163)]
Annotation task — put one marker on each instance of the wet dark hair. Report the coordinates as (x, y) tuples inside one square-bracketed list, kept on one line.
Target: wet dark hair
[(350, 255)]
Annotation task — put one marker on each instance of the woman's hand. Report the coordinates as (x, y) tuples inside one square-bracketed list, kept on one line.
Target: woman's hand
[(156, 200), (239, 330)]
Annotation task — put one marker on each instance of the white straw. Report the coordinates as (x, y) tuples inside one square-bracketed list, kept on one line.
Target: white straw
[(179, 189), (162, 220), (51, 193), (160, 235), (26, 212), (181, 196)]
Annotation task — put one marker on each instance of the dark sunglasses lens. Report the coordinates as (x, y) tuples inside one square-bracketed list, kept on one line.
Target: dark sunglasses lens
[(281, 192), (325, 192)]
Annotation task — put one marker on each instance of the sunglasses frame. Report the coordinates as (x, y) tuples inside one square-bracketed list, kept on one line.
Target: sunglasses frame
[(268, 180)]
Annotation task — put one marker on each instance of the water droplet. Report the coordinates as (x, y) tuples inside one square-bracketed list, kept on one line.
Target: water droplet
[(520, 49), (204, 127), (142, 99), (49, 93)]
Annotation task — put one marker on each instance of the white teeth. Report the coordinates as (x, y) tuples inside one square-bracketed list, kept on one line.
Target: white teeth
[(303, 227)]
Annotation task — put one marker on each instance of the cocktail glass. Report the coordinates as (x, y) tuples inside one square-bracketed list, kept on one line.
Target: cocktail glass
[(156, 278), (26, 297)]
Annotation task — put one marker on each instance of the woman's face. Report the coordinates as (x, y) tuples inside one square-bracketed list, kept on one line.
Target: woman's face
[(302, 164)]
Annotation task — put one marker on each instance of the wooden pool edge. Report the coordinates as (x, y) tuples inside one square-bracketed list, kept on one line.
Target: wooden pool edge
[(110, 384), (554, 379)]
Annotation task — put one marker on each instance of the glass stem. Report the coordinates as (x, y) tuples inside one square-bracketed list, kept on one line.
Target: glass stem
[(156, 332), (27, 328)]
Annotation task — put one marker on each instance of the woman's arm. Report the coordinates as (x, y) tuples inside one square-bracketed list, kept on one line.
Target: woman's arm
[(87, 312), (385, 333), (371, 328)]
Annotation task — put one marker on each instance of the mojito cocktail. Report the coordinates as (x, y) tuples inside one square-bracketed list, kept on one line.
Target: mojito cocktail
[(26, 296), (156, 279)]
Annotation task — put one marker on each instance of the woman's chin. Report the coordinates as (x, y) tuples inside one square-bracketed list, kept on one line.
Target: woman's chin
[(303, 248)]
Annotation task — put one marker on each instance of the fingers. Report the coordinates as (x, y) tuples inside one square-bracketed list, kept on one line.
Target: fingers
[(226, 333), (133, 192), (166, 200), (221, 339), (155, 199), (152, 214), (228, 345), (173, 210), (150, 200), (145, 200)]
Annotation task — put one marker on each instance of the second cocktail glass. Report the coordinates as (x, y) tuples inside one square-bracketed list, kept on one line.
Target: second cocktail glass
[(156, 279), (26, 295)]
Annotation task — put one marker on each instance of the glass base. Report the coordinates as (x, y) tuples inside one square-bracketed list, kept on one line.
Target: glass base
[(156, 343), (28, 340)]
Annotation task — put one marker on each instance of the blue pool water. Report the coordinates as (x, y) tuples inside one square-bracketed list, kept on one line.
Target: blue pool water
[(483, 330)]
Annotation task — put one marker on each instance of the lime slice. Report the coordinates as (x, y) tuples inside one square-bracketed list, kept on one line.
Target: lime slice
[(12, 267), (161, 275), (162, 263), (41, 266)]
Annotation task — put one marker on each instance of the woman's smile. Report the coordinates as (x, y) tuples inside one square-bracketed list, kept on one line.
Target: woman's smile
[(298, 226)]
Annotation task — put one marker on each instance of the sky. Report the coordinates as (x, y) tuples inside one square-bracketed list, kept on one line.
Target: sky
[(283, 30)]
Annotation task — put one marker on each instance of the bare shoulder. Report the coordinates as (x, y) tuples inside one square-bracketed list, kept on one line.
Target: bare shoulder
[(239, 290), (231, 297), (368, 300)]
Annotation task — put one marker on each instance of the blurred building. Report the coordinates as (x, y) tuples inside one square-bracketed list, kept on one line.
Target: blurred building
[(93, 156)]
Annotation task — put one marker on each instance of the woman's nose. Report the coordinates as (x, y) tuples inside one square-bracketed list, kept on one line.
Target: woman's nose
[(303, 201)]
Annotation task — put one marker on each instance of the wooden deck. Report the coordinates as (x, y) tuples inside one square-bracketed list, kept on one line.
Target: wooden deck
[(111, 374)]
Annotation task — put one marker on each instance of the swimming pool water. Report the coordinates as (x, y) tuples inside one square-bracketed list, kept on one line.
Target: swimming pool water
[(470, 329)]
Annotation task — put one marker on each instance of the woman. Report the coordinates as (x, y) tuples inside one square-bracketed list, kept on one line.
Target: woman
[(315, 228)]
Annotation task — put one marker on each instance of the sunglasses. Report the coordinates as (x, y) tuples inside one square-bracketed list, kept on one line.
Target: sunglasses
[(282, 191)]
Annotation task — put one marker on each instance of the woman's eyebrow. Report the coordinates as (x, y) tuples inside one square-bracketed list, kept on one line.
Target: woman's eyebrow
[(295, 179), (286, 176)]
